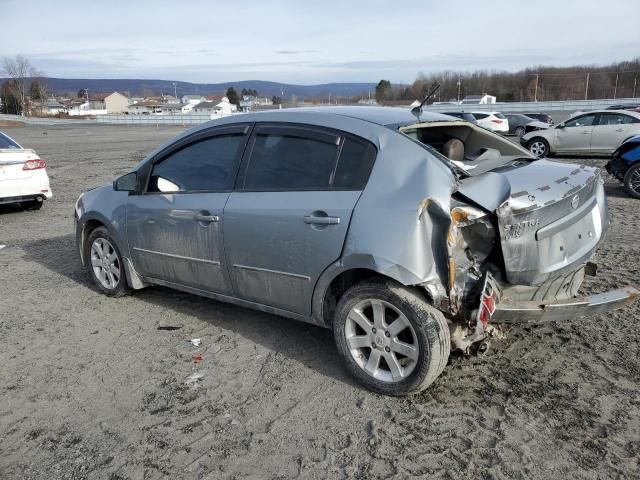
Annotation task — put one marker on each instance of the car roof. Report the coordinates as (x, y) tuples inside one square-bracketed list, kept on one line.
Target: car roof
[(624, 112), (384, 116)]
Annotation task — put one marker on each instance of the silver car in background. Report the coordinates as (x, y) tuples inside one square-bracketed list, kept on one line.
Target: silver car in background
[(599, 132), (408, 234)]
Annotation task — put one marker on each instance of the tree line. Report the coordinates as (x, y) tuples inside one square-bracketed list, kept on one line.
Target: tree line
[(618, 80)]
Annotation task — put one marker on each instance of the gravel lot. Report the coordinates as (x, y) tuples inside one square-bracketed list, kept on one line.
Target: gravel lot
[(93, 387)]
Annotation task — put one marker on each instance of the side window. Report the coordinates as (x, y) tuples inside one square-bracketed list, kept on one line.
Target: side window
[(290, 162), (480, 116), (206, 165), (583, 121), (613, 119), (355, 164)]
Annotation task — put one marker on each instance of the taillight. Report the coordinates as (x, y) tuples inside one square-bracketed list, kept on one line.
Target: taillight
[(496, 121), (34, 164)]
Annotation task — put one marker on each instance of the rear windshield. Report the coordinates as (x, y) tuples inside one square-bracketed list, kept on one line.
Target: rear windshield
[(6, 142), (499, 115)]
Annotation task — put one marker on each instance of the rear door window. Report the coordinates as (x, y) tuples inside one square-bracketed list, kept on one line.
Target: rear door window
[(614, 119), (286, 158)]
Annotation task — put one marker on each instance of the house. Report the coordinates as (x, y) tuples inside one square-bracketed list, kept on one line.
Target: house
[(52, 107), (193, 99), (478, 99), (223, 107), (169, 99), (116, 102), (205, 107), (157, 108)]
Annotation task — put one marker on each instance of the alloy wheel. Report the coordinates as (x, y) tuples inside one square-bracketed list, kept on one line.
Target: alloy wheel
[(381, 340), (538, 148), (634, 181), (105, 263)]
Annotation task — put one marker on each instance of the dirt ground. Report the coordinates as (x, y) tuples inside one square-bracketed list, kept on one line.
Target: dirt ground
[(94, 387)]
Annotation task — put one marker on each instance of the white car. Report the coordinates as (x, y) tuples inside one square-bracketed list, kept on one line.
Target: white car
[(599, 132), (23, 175), (494, 121)]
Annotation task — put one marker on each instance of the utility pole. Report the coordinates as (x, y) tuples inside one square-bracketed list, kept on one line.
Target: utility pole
[(175, 90), (586, 88), (615, 89), (459, 88), (535, 93), (635, 80)]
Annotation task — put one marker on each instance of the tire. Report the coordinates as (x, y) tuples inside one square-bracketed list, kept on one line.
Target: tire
[(519, 131), (632, 180), (32, 205), (415, 352), (539, 147), (102, 269)]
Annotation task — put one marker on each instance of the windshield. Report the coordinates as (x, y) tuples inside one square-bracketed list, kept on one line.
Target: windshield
[(6, 142)]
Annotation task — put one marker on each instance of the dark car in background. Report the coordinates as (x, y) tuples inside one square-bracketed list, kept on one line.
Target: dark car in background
[(625, 165), (634, 107), (543, 117), (464, 116), (519, 124)]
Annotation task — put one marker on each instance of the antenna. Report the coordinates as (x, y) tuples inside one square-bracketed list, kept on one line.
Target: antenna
[(432, 92)]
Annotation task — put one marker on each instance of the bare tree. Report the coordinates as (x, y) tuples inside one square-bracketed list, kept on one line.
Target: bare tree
[(20, 70)]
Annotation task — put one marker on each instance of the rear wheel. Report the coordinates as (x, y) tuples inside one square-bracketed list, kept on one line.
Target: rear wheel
[(33, 204), (519, 131), (391, 340), (105, 264), (539, 147), (632, 180)]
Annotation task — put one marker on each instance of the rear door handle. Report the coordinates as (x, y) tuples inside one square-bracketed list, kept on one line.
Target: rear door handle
[(200, 217), (314, 220)]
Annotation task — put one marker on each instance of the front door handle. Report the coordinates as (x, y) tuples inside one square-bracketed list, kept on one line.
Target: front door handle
[(317, 220), (586, 133), (201, 217)]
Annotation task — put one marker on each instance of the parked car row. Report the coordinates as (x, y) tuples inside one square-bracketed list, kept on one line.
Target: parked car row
[(507, 124)]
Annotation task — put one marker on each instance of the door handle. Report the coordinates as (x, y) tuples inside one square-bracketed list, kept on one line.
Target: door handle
[(200, 217), (316, 220), (620, 130), (586, 133)]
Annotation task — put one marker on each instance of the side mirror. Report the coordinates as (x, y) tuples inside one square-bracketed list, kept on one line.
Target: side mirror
[(560, 125), (126, 183)]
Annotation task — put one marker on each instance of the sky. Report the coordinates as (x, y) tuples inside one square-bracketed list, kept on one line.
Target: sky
[(312, 42)]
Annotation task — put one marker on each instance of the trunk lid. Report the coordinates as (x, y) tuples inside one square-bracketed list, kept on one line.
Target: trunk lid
[(551, 216), (11, 162)]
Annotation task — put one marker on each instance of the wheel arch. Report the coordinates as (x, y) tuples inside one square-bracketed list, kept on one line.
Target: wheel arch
[(337, 279)]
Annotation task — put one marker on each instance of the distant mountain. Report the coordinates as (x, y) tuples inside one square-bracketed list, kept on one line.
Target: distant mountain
[(139, 87)]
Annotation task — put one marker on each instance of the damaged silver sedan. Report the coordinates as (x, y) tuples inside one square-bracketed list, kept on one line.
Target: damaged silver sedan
[(409, 234)]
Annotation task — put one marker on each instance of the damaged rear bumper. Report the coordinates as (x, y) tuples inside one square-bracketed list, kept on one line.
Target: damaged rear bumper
[(571, 308)]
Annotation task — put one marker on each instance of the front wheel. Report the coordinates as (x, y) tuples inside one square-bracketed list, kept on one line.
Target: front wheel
[(391, 340), (105, 264), (539, 147), (632, 180)]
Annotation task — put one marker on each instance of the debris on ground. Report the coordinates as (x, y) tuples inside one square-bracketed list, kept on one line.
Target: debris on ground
[(169, 328), (195, 342)]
